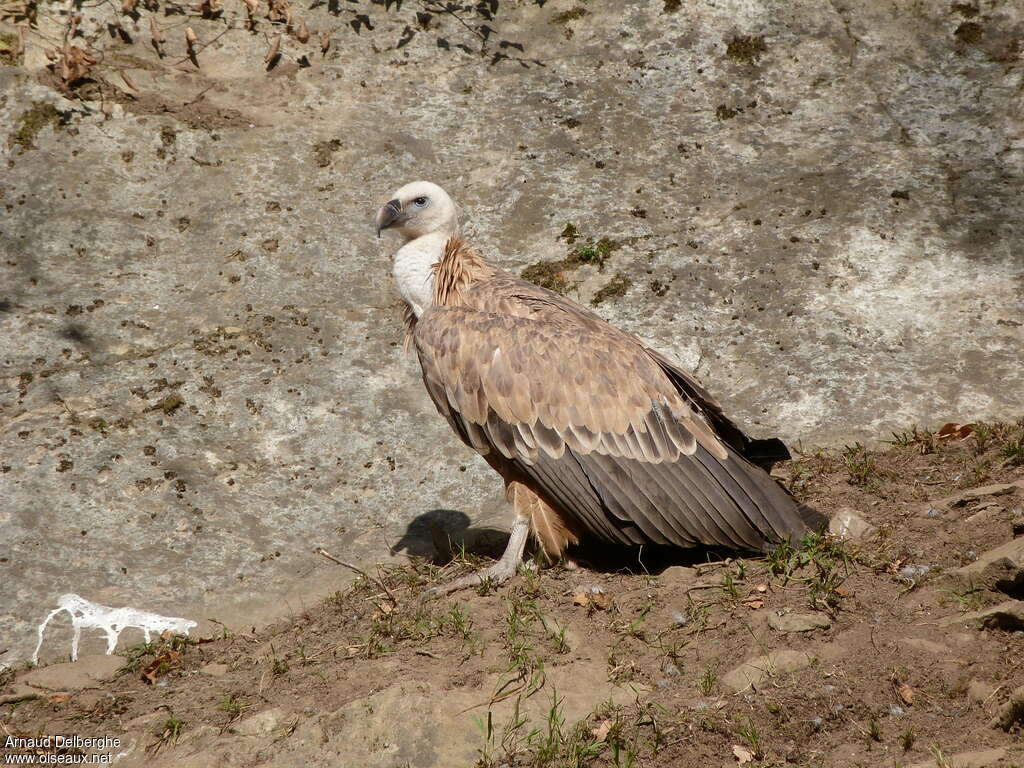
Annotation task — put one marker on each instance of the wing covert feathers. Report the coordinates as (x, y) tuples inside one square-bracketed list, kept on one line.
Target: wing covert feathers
[(593, 431)]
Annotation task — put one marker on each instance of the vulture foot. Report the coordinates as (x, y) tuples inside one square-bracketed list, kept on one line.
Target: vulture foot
[(500, 572)]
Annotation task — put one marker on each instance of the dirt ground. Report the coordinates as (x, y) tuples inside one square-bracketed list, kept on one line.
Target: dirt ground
[(872, 650)]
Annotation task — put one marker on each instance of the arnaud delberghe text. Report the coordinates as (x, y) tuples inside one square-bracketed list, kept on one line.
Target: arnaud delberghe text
[(62, 742)]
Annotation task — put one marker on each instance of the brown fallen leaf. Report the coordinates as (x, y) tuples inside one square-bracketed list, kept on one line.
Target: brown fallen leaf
[(906, 694), (761, 588), (754, 604), (273, 51), (593, 596), (60, 698), (302, 33), (953, 431), (74, 64), (325, 43), (742, 754), (601, 732), (160, 666), (156, 36)]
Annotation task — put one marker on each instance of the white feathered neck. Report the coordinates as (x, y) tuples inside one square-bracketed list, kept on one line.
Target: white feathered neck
[(413, 269)]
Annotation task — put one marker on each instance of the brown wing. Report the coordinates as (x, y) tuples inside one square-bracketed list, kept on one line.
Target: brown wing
[(592, 424), (504, 293)]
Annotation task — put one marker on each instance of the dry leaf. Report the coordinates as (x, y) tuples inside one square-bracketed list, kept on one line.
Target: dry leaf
[(601, 732), (302, 33), (275, 49), (761, 588), (162, 664), (953, 431), (156, 36), (325, 43), (906, 694), (754, 604), (74, 64), (353, 650), (742, 754), (127, 6), (60, 698), (128, 81), (190, 37), (581, 598)]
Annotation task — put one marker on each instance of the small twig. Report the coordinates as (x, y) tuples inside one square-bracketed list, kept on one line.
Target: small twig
[(360, 571), (428, 653), (333, 559)]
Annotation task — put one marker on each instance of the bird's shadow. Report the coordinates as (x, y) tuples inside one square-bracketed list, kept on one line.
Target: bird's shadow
[(439, 535)]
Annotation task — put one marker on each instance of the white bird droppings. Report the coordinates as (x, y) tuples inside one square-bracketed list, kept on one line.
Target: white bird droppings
[(112, 621)]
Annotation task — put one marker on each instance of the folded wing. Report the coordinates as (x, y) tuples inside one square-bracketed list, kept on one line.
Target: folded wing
[(591, 421)]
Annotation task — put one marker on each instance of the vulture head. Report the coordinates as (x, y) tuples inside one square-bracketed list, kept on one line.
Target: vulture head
[(417, 209)]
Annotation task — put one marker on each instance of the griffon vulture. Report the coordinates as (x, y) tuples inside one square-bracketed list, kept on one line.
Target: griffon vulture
[(594, 433)]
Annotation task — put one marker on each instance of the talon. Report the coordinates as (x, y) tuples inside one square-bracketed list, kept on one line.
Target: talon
[(500, 572)]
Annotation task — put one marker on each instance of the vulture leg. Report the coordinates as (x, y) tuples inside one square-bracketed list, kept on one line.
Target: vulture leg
[(502, 570)]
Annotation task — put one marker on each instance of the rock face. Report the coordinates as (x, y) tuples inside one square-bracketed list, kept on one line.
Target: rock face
[(753, 672), (1000, 569), (87, 672), (816, 209), (799, 622), (846, 523), (1008, 615)]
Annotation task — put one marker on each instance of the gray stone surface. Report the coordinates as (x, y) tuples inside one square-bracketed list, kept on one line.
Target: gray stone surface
[(799, 622), (1001, 568), (847, 523), (753, 672), (199, 343), (87, 672), (1008, 615)]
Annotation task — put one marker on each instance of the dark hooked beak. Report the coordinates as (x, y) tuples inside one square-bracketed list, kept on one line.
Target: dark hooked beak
[(389, 214)]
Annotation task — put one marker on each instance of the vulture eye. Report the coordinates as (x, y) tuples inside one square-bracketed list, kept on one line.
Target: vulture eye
[(420, 202)]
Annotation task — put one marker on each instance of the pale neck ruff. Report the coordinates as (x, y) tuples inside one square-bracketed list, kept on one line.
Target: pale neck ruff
[(413, 269)]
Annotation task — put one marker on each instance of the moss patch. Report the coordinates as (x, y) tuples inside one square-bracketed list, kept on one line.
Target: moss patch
[(615, 288), (34, 120), (570, 234), (725, 113), (969, 32), (576, 12), (8, 46), (590, 252), (548, 274), (582, 250), (745, 50)]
